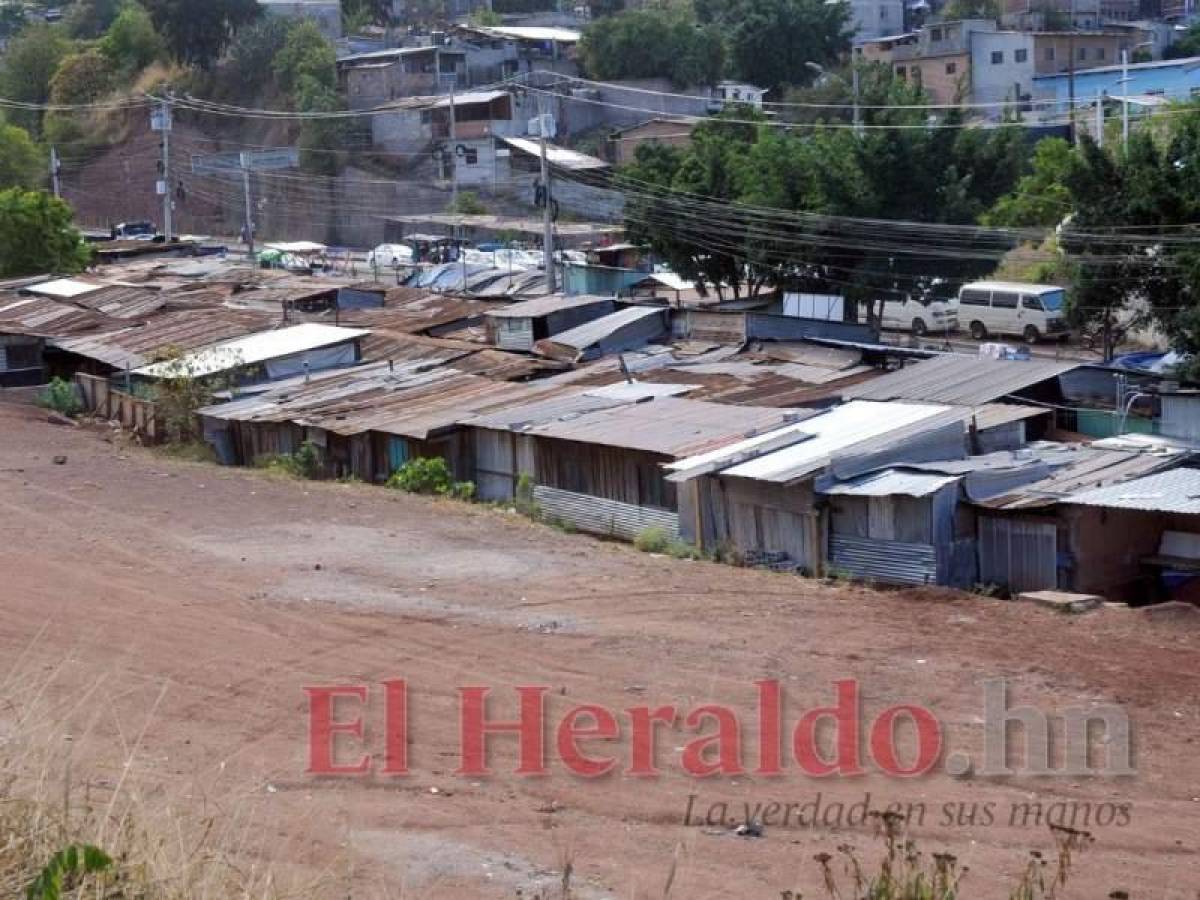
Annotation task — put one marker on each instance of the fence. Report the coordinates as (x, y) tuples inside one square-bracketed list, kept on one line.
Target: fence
[(135, 414)]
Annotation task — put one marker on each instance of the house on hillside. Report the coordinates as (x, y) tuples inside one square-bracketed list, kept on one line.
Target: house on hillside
[(372, 79), (623, 143)]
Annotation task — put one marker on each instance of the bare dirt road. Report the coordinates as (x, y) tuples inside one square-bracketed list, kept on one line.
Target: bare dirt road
[(167, 615)]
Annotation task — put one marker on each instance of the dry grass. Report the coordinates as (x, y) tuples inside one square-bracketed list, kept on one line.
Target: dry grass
[(167, 839)]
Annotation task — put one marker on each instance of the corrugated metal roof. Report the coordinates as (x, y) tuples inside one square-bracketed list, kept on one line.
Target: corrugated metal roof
[(44, 317), (669, 425), (253, 348), (890, 483), (1175, 491), (182, 331), (960, 380), (583, 336), (993, 415), (556, 155), (815, 441), (63, 288), (544, 306), (408, 403)]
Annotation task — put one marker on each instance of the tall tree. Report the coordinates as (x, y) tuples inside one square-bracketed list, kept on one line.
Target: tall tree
[(81, 79), (655, 42), (131, 41), (28, 66), (198, 33), (22, 163), (36, 235), (89, 19), (771, 41)]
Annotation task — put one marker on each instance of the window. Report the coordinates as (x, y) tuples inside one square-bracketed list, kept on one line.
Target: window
[(1028, 301), (883, 13), (902, 73), (1082, 53), (975, 298), (1021, 55), (916, 72), (997, 57), (951, 68), (1005, 300), (1099, 53), (1049, 54), (935, 34), (471, 157)]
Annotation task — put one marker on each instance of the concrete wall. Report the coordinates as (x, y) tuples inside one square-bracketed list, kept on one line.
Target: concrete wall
[(1002, 68)]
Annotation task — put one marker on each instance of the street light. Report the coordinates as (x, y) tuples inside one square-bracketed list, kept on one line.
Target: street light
[(1125, 91), (822, 72)]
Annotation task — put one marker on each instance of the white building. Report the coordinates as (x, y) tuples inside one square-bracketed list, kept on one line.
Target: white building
[(873, 19)]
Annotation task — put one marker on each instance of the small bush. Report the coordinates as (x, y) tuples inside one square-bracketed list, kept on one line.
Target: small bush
[(62, 397), (430, 476), (683, 550), (652, 540), (304, 463), (523, 497)]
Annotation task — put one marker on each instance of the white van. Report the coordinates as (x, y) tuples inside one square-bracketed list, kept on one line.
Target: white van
[(927, 311), (1028, 311)]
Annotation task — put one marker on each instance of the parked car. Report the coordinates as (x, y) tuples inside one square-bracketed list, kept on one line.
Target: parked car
[(1028, 311), (921, 312), (135, 231)]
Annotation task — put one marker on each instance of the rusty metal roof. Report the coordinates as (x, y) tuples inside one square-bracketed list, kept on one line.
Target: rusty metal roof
[(136, 346), (669, 426), (44, 317), (377, 398)]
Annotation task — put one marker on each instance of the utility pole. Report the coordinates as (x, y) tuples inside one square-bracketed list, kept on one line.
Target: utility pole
[(55, 167), (248, 227), (1071, 72), (1124, 99), (547, 217), (1099, 119), (858, 125), (453, 154), (165, 183)]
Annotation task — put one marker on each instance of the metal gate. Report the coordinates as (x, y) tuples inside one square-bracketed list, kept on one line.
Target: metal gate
[(1018, 554)]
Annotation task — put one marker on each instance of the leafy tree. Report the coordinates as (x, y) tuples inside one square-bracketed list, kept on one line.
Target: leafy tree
[(36, 235), (320, 139), (655, 42), (770, 41), (82, 78), (89, 19), (131, 42), (1041, 198), (1187, 44), (12, 19), (971, 9), (377, 12), (21, 161), (254, 49), (198, 33), (28, 66), (883, 98), (306, 54)]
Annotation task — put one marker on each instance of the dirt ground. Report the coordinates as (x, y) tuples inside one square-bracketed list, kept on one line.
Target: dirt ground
[(170, 613)]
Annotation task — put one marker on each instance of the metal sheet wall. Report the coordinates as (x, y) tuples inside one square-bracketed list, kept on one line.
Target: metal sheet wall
[(889, 562), (1018, 554), (599, 516)]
